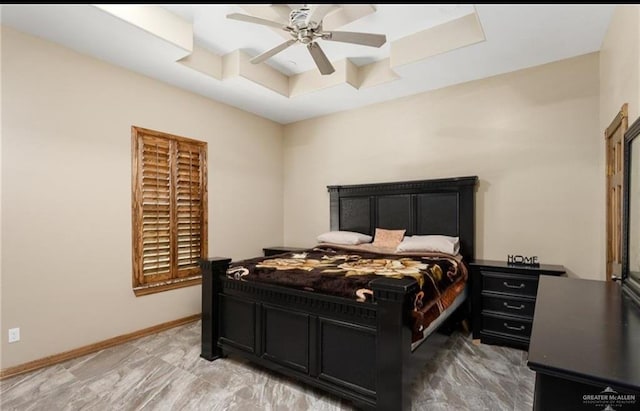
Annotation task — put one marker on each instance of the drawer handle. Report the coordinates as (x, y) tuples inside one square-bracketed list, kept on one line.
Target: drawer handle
[(506, 284), (513, 307), (521, 328)]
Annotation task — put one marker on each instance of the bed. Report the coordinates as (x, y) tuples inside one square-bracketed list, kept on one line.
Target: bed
[(366, 351)]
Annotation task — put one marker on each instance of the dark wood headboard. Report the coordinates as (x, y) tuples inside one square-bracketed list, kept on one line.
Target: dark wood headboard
[(443, 206)]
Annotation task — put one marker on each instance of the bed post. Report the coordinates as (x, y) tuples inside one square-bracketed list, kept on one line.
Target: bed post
[(212, 269), (394, 340)]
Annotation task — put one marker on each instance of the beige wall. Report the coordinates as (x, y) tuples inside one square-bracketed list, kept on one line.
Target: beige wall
[(620, 66), (66, 194), (531, 136)]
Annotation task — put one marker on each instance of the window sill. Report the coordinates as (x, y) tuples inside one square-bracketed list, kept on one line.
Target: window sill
[(167, 285)]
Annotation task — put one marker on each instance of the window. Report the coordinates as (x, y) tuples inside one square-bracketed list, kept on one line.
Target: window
[(169, 195)]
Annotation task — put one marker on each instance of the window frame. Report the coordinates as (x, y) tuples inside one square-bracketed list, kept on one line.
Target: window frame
[(178, 278)]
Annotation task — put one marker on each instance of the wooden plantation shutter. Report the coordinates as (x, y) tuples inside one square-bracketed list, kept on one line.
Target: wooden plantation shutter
[(189, 208), (155, 210), (169, 210)]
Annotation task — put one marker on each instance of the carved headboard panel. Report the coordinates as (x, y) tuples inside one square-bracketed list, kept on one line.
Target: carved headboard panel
[(443, 206)]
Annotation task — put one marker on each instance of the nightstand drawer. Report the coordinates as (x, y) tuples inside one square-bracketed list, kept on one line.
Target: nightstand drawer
[(511, 306), (507, 326), (509, 283)]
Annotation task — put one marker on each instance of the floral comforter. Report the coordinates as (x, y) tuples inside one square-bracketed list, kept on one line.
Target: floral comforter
[(347, 271)]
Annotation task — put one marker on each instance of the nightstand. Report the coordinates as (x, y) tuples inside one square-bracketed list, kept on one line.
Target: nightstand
[(269, 251), (503, 300)]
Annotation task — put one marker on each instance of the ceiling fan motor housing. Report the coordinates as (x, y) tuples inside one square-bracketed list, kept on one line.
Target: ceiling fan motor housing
[(303, 30)]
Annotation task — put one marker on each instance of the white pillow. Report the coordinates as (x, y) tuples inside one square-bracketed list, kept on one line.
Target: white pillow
[(436, 243), (344, 237)]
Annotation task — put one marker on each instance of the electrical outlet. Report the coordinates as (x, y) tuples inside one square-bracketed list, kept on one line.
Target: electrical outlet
[(14, 335)]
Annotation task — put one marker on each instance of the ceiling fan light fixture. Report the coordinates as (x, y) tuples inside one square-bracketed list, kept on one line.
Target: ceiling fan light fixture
[(298, 17)]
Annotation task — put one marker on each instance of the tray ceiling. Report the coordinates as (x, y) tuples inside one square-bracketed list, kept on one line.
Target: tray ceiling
[(195, 47)]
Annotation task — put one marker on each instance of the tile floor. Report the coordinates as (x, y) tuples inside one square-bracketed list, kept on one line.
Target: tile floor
[(165, 372)]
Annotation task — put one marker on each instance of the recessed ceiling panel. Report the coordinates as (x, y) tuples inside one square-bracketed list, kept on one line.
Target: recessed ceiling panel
[(282, 88)]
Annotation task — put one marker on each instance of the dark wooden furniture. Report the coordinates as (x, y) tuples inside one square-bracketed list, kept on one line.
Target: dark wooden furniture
[(359, 351), (503, 300), (586, 337), (269, 251)]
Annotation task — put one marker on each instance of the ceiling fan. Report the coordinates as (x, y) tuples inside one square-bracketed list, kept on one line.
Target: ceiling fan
[(305, 26)]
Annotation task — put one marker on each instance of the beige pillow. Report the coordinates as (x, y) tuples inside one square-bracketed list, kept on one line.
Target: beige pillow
[(388, 238)]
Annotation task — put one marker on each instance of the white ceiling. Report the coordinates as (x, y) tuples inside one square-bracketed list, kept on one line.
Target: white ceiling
[(517, 36), (221, 35)]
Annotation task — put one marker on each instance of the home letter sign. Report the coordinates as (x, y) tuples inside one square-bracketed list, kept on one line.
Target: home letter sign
[(522, 260)]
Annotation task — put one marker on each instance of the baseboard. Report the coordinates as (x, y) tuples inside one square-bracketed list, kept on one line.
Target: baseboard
[(91, 348)]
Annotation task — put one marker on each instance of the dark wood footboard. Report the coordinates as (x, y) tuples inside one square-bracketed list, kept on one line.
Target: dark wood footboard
[(359, 351)]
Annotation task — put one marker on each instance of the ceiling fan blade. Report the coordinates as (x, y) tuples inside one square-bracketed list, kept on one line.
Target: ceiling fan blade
[(257, 20), (262, 57), (323, 63), (365, 39), (318, 13)]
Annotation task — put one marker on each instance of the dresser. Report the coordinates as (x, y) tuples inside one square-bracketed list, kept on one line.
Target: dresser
[(503, 300), (585, 346)]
